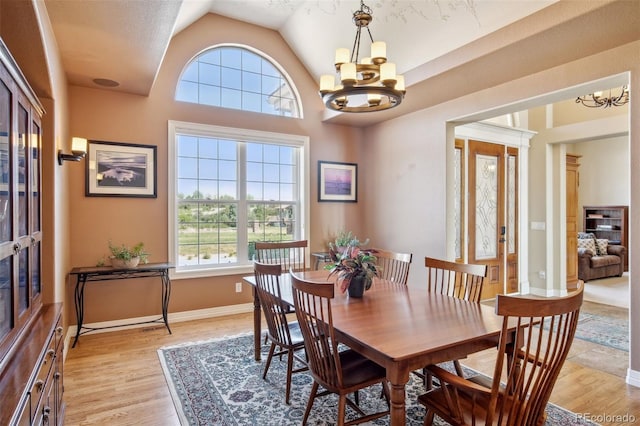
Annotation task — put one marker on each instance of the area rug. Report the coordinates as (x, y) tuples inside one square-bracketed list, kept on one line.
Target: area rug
[(604, 330), (218, 382)]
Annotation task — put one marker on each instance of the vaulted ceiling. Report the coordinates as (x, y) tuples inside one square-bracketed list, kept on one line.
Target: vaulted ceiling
[(125, 41)]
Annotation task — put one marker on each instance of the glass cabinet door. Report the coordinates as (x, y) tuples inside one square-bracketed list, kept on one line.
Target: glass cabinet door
[(6, 252), (35, 185)]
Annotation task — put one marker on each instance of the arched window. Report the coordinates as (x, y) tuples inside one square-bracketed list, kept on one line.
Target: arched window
[(239, 78)]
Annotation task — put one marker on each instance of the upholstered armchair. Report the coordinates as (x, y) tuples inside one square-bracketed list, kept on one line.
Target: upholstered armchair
[(592, 266)]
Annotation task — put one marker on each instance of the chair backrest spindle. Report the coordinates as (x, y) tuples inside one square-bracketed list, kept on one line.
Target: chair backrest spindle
[(288, 254), (461, 280), (394, 266)]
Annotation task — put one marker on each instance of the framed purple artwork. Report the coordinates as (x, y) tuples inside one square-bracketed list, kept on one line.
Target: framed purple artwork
[(337, 181)]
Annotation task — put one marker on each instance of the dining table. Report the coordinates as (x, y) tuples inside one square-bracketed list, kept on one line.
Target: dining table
[(401, 327)]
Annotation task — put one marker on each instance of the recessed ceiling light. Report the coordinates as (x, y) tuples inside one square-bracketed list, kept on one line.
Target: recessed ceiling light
[(105, 82)]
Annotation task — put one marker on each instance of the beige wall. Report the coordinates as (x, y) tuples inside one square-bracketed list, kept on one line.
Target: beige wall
[(604, 172)]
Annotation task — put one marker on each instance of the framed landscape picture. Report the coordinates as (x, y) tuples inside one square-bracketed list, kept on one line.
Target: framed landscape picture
[(337, 181), (117, 169)]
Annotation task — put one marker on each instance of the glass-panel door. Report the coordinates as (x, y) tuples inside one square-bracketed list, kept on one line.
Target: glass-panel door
[(493, 214), (512, 220), (487, 228)]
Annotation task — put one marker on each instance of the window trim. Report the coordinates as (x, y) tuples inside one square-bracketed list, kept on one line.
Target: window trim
[(243, 135), (260, 53)]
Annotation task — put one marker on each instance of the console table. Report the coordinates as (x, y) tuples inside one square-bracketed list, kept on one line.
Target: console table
[(104, 273), (320, 257)]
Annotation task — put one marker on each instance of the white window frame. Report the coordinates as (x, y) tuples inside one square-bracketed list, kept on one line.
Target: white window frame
[(285, 75), (241, 135)]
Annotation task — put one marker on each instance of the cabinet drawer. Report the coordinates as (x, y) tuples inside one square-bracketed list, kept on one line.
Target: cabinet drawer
[(43, 413), (45, 373), (24, 418)]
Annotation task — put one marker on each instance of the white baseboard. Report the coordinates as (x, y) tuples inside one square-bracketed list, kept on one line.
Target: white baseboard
[(129, 323), (633, 378)]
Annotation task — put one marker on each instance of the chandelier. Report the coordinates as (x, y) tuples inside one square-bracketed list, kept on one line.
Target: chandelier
[(596, 100), (370, 84)]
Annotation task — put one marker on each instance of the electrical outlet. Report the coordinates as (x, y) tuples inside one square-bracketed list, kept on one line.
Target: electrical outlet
[(542, 275), (238, 287)]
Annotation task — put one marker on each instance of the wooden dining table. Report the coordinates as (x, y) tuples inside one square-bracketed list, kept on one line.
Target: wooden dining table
[(400, 327)]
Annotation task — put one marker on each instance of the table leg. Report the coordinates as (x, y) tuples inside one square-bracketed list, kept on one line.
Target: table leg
[(397, 407), (257, 325), (166, 294), (79, 303)]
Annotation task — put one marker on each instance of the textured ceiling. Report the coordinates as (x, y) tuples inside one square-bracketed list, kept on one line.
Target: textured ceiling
[(125, 40), (429, 40)]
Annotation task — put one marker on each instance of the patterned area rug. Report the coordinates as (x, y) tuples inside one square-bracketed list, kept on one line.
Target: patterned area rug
[(218, 382), (604, 330)]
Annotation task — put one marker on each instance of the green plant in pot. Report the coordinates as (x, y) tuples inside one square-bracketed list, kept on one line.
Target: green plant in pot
[(123, 256), (354, 266), (343, 240)]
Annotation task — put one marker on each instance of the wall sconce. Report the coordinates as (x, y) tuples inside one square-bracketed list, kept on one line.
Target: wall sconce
[(78, 151)]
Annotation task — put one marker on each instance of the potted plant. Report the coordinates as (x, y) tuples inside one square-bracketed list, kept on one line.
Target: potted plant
[(343, 240), (355, 268), (123, 256)]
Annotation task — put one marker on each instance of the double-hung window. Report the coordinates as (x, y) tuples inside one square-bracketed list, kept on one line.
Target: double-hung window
[(229, 188)]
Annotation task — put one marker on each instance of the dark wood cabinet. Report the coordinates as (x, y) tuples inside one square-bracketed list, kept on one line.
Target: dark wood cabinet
[(31, 384), (31, 334), (608, 222)]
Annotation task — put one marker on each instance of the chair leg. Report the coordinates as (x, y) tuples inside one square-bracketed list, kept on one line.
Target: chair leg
[(386, 393), (312, 397), (427, 379), (342, 409), (289, 372), (428, 418), (268, 363), (458, 368)]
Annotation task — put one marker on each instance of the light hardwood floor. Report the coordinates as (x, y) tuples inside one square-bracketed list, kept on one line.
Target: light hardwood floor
[(115, 378)]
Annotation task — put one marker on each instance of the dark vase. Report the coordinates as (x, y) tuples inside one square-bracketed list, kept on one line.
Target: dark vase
[(356, 287)]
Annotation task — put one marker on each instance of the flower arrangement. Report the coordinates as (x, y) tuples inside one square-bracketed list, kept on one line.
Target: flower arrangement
[(350, 262)]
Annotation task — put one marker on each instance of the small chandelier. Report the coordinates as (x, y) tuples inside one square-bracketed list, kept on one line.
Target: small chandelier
[(370, 84), (596, 100)]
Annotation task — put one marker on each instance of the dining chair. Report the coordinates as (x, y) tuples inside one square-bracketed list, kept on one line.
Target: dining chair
[(287, 254), (285, 337), (524, 373), (460, 280), (340, 372), (394, 267)]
